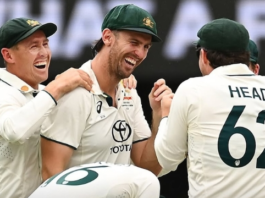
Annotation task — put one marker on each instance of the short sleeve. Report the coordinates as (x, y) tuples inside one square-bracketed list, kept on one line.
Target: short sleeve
[(141, 128), (67, 122)]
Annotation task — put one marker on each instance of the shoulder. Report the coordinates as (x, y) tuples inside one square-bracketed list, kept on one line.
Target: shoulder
[(76, 95), (7, 90), (192, 83)]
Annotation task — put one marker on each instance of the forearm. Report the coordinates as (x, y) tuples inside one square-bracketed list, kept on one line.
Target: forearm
[(148, 159)]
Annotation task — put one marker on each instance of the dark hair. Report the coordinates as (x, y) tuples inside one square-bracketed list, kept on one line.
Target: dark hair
[(221, 58), (252, 65), (97, 47)]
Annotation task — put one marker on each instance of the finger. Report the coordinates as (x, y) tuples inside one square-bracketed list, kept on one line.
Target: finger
[(57, 76), (135, 84), (130, 82), (160, 89), (86, 86), (168, 97), (156, 87), (123, 82), (171, 95), (163, 94), (85, 77), (160, 82), (151, 94)]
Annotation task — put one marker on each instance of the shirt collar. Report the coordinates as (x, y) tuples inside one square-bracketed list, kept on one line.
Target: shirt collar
[(234, 69), (95, 87), (16, 82)]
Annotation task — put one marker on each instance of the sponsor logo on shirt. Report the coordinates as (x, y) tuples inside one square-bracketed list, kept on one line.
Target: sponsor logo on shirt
[(121, 131), (99, 106), (127, 98), (127, 102)]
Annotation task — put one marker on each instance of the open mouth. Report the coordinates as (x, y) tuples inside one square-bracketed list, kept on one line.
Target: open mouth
[(130, 61), (40, 65)]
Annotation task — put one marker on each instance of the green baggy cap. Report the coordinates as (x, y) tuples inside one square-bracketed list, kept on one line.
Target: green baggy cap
[(223, 35), (18, 29), (131, 17), (253, 50)]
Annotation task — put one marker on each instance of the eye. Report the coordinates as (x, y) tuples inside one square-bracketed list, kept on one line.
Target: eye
[(33, 46), (134, 43), (147, 47), (46, 44)]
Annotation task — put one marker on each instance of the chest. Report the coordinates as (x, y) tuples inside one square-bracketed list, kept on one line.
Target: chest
[(107, 123)]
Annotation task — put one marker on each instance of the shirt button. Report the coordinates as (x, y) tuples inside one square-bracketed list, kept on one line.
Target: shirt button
[(24, 88)]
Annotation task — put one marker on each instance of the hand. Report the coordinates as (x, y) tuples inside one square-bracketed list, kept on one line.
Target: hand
[(73, 78), (165, 104), (130, 82), (159, 90), (67, 81)]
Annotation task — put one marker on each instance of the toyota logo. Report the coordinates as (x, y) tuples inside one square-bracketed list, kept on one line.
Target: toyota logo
[(121, 131)]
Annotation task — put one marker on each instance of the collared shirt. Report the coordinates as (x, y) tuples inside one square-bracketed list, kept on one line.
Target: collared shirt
[(217, 121), (97, 131), (20, 118)]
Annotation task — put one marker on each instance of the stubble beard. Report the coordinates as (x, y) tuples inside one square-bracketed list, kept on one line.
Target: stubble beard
[(113, 64)]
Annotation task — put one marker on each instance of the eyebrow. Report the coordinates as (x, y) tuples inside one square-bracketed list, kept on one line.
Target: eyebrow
[(34, 41), (134, 39)]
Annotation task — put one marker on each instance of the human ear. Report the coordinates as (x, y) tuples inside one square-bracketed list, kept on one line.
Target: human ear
[(107, 36), (7, 55)]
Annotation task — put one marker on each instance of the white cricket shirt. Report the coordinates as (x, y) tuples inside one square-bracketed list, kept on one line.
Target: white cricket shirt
[(217, 121), (95, 129), (20, 118), (100, 180)]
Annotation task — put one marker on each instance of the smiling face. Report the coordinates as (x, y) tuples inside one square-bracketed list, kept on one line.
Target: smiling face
[(30, 59), (127, 52)]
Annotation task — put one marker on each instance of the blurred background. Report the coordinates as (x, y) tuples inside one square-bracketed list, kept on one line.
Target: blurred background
[(174, 59)]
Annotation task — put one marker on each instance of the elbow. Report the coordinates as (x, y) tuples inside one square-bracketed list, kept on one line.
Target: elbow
[(14, 133), (169, 163), (151, 165), (166, 159), (11, 135)]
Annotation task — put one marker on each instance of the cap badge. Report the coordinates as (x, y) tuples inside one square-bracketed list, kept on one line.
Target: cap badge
[(32, 22), (147, 21)]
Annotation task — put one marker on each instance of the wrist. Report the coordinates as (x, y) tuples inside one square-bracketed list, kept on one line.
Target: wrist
[(55, 89)]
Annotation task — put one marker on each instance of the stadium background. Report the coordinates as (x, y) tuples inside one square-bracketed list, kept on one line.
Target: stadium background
[(79, 23)]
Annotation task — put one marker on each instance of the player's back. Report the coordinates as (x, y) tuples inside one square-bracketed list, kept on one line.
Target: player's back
[(226, 135), (100, 180)]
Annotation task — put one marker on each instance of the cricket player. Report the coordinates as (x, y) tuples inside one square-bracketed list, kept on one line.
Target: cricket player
[(100, 180), (217, 121), (108, 124), (25, 103)]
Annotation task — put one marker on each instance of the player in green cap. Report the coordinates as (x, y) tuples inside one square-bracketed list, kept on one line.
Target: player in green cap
[(217, 121), (109, 124), (24, 47)]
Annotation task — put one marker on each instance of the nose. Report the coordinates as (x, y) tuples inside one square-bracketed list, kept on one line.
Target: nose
[(43, 51), (141, 52)]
